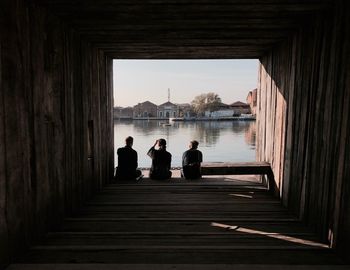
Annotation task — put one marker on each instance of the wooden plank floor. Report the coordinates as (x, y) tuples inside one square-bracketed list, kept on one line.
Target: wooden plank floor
[(214, 220)]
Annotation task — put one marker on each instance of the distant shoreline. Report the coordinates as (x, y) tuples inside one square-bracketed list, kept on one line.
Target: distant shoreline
[(194, 119)]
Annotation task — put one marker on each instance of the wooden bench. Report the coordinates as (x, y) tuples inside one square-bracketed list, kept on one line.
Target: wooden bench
[(243, 168)]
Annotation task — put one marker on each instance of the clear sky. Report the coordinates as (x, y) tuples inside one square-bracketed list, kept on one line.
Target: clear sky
[(140, 80)]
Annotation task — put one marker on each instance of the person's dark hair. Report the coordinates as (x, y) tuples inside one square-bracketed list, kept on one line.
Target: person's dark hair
[(162, 143), (194, 144), (129, 140)]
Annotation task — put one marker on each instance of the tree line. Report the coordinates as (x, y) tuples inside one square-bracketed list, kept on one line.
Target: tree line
[(208, 101)]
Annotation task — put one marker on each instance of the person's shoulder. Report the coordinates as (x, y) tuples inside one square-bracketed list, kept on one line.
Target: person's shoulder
[(199, 152), (187, 151)]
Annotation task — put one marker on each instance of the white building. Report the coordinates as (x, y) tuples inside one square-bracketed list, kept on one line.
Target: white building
[(219, 113), (220, 110), (167, 110)]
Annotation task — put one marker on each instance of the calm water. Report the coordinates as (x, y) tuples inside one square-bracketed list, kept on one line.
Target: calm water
[(231, 141)]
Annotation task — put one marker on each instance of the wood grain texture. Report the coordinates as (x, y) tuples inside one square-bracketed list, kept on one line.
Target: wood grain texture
[(169, 29), (56, 101), (4, 259), (244, 168), (303, 123), (179, 221), (45, 108)]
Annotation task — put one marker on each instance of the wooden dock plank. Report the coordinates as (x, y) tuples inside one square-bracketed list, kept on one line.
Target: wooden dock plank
[(229, 168), (182, 222), (184, 256)]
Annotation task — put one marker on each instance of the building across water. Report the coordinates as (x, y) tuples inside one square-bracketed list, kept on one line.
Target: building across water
[(145, 109), (252, 100), (168, 110)]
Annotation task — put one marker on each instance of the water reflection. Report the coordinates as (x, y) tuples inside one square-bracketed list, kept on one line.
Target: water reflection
[(207, 132), (250, 134), (145, 127), (231, 141)]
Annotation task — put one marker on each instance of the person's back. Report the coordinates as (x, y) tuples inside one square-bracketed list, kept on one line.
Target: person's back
[(191, 162), (127, 161), (161, 161)]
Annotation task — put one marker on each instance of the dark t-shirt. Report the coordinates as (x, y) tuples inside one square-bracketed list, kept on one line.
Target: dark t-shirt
[(161, 163), (127, 162), (192, 156), (191, 161)]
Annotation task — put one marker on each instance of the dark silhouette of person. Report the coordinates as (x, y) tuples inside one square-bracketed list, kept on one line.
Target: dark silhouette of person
[(127, 162), (161, 161), (191, 162)]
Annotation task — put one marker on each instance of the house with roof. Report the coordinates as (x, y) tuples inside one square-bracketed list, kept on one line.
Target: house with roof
[(167, 110), (145, 109), (123, 113), (239, 108)]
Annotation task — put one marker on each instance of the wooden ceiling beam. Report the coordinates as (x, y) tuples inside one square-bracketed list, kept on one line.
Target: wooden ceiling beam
[(189, 29), (118, 15), (179, 2), (194, 53), (186, 42), (187, 35)]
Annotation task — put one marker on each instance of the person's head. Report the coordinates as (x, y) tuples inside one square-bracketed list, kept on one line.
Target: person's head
[(162, 143), (194, 144), (129, 141)]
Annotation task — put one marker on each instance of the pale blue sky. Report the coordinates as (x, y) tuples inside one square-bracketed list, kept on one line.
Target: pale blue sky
[(140, 80)]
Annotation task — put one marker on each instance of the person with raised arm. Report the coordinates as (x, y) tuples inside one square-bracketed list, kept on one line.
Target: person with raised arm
[(161, 161)]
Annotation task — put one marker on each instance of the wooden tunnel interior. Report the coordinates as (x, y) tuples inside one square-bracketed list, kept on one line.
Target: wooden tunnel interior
[(56, 136)]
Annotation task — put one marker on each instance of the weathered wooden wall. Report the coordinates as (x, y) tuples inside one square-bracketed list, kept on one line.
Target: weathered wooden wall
[(304, 123), (54, 87)]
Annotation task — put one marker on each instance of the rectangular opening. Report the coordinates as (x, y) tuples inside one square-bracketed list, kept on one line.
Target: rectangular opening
[(211, 101)]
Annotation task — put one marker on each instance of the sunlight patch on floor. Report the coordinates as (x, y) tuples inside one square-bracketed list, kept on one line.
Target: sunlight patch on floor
[(270, 234)]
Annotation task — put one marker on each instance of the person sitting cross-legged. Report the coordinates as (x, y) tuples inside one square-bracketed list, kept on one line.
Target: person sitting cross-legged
[(191, 162), (127, 162), (161, 161)]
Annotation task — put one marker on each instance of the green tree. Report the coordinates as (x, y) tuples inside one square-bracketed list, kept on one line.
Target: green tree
[(203, 102)]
